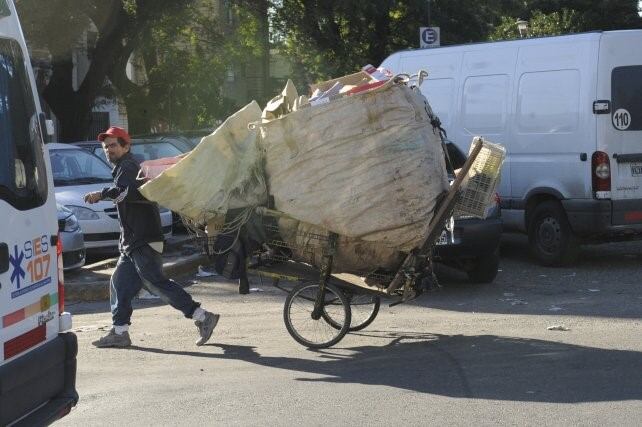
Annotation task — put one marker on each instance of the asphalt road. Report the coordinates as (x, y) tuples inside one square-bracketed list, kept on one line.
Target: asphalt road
[(466, 355)]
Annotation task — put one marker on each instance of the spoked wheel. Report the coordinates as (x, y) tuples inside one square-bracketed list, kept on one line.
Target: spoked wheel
[(300, 320), (363, 310)]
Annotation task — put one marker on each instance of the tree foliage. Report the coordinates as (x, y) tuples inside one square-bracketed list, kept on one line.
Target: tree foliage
[(178, 46), (56, 25), (332, 37), (326, 38), (184, 49), (554, 17), (563, 22)]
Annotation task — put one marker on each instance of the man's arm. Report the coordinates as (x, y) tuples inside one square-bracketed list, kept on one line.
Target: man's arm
[(126, 185)]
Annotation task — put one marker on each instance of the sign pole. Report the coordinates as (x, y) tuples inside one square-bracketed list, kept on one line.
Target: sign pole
[(428, 13)]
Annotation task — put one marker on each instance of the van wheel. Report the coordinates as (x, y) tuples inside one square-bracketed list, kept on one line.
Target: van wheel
[(484, 268), (550, 236)]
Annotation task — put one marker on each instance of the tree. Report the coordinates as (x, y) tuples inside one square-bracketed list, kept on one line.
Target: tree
[(562, 22), (553, 17), (593, 14), (327, 38), (57, 25), (182, 66)]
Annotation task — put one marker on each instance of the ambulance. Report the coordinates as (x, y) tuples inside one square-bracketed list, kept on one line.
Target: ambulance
[(37, 351)]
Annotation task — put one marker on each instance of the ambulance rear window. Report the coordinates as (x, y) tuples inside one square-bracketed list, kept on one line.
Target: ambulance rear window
[(23, 178), (626, 96)]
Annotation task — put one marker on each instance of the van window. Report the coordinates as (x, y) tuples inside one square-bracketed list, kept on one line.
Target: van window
[(484, 104), (4, 8), (548, 102), (23, 178), (626, 96), (439, 93)]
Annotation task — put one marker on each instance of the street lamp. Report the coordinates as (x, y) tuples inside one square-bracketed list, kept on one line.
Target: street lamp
[(522, 27)]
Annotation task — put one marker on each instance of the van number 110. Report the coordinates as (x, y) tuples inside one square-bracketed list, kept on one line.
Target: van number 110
[(621, 119)]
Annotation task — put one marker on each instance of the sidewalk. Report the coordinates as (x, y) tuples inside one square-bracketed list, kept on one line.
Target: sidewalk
[(91, 283)]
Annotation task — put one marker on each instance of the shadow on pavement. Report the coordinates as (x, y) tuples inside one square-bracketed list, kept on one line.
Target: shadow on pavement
[(604, 282), (483, 367)]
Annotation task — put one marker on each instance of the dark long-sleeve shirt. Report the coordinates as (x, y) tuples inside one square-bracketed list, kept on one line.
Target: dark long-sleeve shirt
[(139, 218)]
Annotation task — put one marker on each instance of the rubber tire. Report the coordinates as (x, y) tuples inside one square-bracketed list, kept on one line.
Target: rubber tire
[(485, 268), (292, 330), (360, 326), (550, 236)]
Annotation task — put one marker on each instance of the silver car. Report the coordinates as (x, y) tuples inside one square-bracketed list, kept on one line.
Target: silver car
[(73, 243)]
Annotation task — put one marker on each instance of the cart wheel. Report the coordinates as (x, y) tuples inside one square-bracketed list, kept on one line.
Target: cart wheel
[(297, 315), (363, 310)]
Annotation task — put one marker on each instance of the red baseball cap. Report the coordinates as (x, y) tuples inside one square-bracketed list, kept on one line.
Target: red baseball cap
[(116, 132)]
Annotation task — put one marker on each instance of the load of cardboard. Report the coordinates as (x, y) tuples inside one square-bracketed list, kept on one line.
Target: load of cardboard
[(366, 164)]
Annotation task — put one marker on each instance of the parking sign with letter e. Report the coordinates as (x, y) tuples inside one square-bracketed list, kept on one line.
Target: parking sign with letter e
[(429, 37)]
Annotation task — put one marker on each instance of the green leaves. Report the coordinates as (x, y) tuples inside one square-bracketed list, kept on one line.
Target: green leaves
[(197, 61)]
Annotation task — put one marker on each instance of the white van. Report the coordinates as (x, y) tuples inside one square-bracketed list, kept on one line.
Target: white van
[(568, 109), (37, 360)]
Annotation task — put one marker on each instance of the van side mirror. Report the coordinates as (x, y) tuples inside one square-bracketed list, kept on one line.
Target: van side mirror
[(46, 127), (50, 127)]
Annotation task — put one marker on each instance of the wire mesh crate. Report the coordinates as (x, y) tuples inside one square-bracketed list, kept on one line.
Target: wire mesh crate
[(478, 188)]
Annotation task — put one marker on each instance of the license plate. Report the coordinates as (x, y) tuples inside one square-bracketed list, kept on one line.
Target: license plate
[(636, 170), (443, 239)]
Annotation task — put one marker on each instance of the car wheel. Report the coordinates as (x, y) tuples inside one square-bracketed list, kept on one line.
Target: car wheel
[(484, 269), (550, 236)]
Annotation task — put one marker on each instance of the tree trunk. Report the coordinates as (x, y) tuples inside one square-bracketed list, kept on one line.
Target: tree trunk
[(138, 116), (73, 109)]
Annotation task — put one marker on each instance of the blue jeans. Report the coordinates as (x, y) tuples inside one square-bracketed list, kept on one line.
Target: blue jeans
[(143, 266)]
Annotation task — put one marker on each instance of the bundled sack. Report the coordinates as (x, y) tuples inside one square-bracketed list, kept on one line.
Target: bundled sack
[(368, 166), (223, 172)]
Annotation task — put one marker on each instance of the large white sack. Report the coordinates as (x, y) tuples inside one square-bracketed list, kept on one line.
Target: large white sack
[(223, 172), (368, 166)]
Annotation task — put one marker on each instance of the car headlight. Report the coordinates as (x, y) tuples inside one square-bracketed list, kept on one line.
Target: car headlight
[(83, 213), (71, 223)]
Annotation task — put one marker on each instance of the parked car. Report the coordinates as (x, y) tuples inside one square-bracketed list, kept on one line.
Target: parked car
[(473, 244), (143, 149), (73, 242), (77, 172), (190, 137)]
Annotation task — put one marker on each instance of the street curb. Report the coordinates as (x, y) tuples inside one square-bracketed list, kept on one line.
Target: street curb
[(99, 290)]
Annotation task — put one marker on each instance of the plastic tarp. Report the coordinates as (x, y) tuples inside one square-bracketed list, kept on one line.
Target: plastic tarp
[(223, 172)]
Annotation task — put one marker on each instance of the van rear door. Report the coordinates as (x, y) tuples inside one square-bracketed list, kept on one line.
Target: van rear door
[(619, 133)]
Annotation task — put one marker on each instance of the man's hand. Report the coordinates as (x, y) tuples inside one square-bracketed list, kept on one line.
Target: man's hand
[(93, 197)]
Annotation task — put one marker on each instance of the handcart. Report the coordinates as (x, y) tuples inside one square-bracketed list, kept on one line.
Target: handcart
[(323, 306)]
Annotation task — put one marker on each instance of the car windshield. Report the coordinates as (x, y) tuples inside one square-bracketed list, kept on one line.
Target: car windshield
[(77, 166)]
